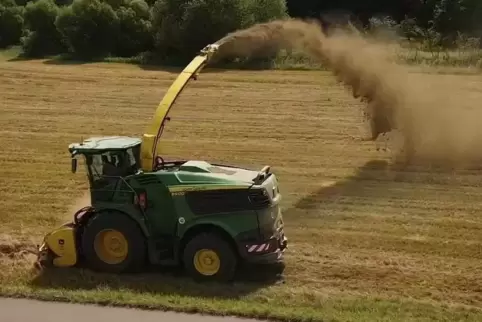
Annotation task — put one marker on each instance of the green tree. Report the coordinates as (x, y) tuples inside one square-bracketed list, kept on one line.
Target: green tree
[(42, 36), (205, 21), (89, 27), (266, 10), (61, 3), (183, 27), (166, 23), (135, 28), (448, 18), (473, 17), (11, 23)]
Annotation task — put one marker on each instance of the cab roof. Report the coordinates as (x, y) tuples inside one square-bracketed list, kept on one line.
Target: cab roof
[(103, 143)]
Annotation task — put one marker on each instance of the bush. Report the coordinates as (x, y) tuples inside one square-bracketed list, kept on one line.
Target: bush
[(61, 3), (267, 10), (410, 29), (449, 16), (135, 29), (206, 21), (89, 27), (42, 36), (183, 27), (166, 24), (11, 23)]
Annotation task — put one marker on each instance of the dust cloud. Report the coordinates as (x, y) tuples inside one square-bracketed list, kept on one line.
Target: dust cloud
[(81, 202), (14, 251), (77, 204), (435, 127)]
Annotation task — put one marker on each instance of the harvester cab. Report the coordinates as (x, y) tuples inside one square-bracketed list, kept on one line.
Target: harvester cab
[(107, 159), (206, 217)]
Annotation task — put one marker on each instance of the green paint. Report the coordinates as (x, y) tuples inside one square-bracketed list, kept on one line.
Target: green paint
[(182, 198)]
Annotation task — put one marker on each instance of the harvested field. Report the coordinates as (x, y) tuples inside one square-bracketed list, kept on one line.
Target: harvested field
[(368, 242)]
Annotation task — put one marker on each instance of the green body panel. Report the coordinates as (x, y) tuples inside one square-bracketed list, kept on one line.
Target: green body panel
[(233, 223), (161, 213), (181, 197)]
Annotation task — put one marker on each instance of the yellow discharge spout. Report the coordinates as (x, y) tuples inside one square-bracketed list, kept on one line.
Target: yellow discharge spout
[(154, 130)]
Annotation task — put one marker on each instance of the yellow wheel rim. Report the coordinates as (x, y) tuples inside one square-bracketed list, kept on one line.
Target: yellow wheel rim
[(111, 246), (207, 262)]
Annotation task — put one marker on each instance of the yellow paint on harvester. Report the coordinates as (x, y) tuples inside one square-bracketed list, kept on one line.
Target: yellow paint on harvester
[(62, 243), (149, 142)]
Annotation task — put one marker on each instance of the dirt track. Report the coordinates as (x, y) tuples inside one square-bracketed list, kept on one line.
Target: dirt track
[(20, 310)]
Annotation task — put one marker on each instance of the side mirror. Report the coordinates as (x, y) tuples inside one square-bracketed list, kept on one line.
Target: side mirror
[(74, 165)]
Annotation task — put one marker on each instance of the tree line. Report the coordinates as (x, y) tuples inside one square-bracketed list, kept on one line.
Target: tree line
[(177, 29), (441, 20)]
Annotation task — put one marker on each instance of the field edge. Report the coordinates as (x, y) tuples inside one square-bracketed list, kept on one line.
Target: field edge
[(335, 309)]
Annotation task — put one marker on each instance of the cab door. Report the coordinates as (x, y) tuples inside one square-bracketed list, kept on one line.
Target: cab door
[(160, 213)]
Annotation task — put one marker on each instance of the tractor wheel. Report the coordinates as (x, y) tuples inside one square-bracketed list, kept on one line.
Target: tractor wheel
[(113, 243), (208, 257)]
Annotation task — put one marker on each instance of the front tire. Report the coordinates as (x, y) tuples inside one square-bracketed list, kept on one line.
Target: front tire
[(113, 243), (208, 257)]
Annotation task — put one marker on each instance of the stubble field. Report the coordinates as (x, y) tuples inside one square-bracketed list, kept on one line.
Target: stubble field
[(367, 242)]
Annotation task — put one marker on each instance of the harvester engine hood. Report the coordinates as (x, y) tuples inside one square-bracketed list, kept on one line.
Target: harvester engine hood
[(231, 173)]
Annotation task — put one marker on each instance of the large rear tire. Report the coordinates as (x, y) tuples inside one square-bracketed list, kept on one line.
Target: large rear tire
[(208, 257), (113, 243)]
